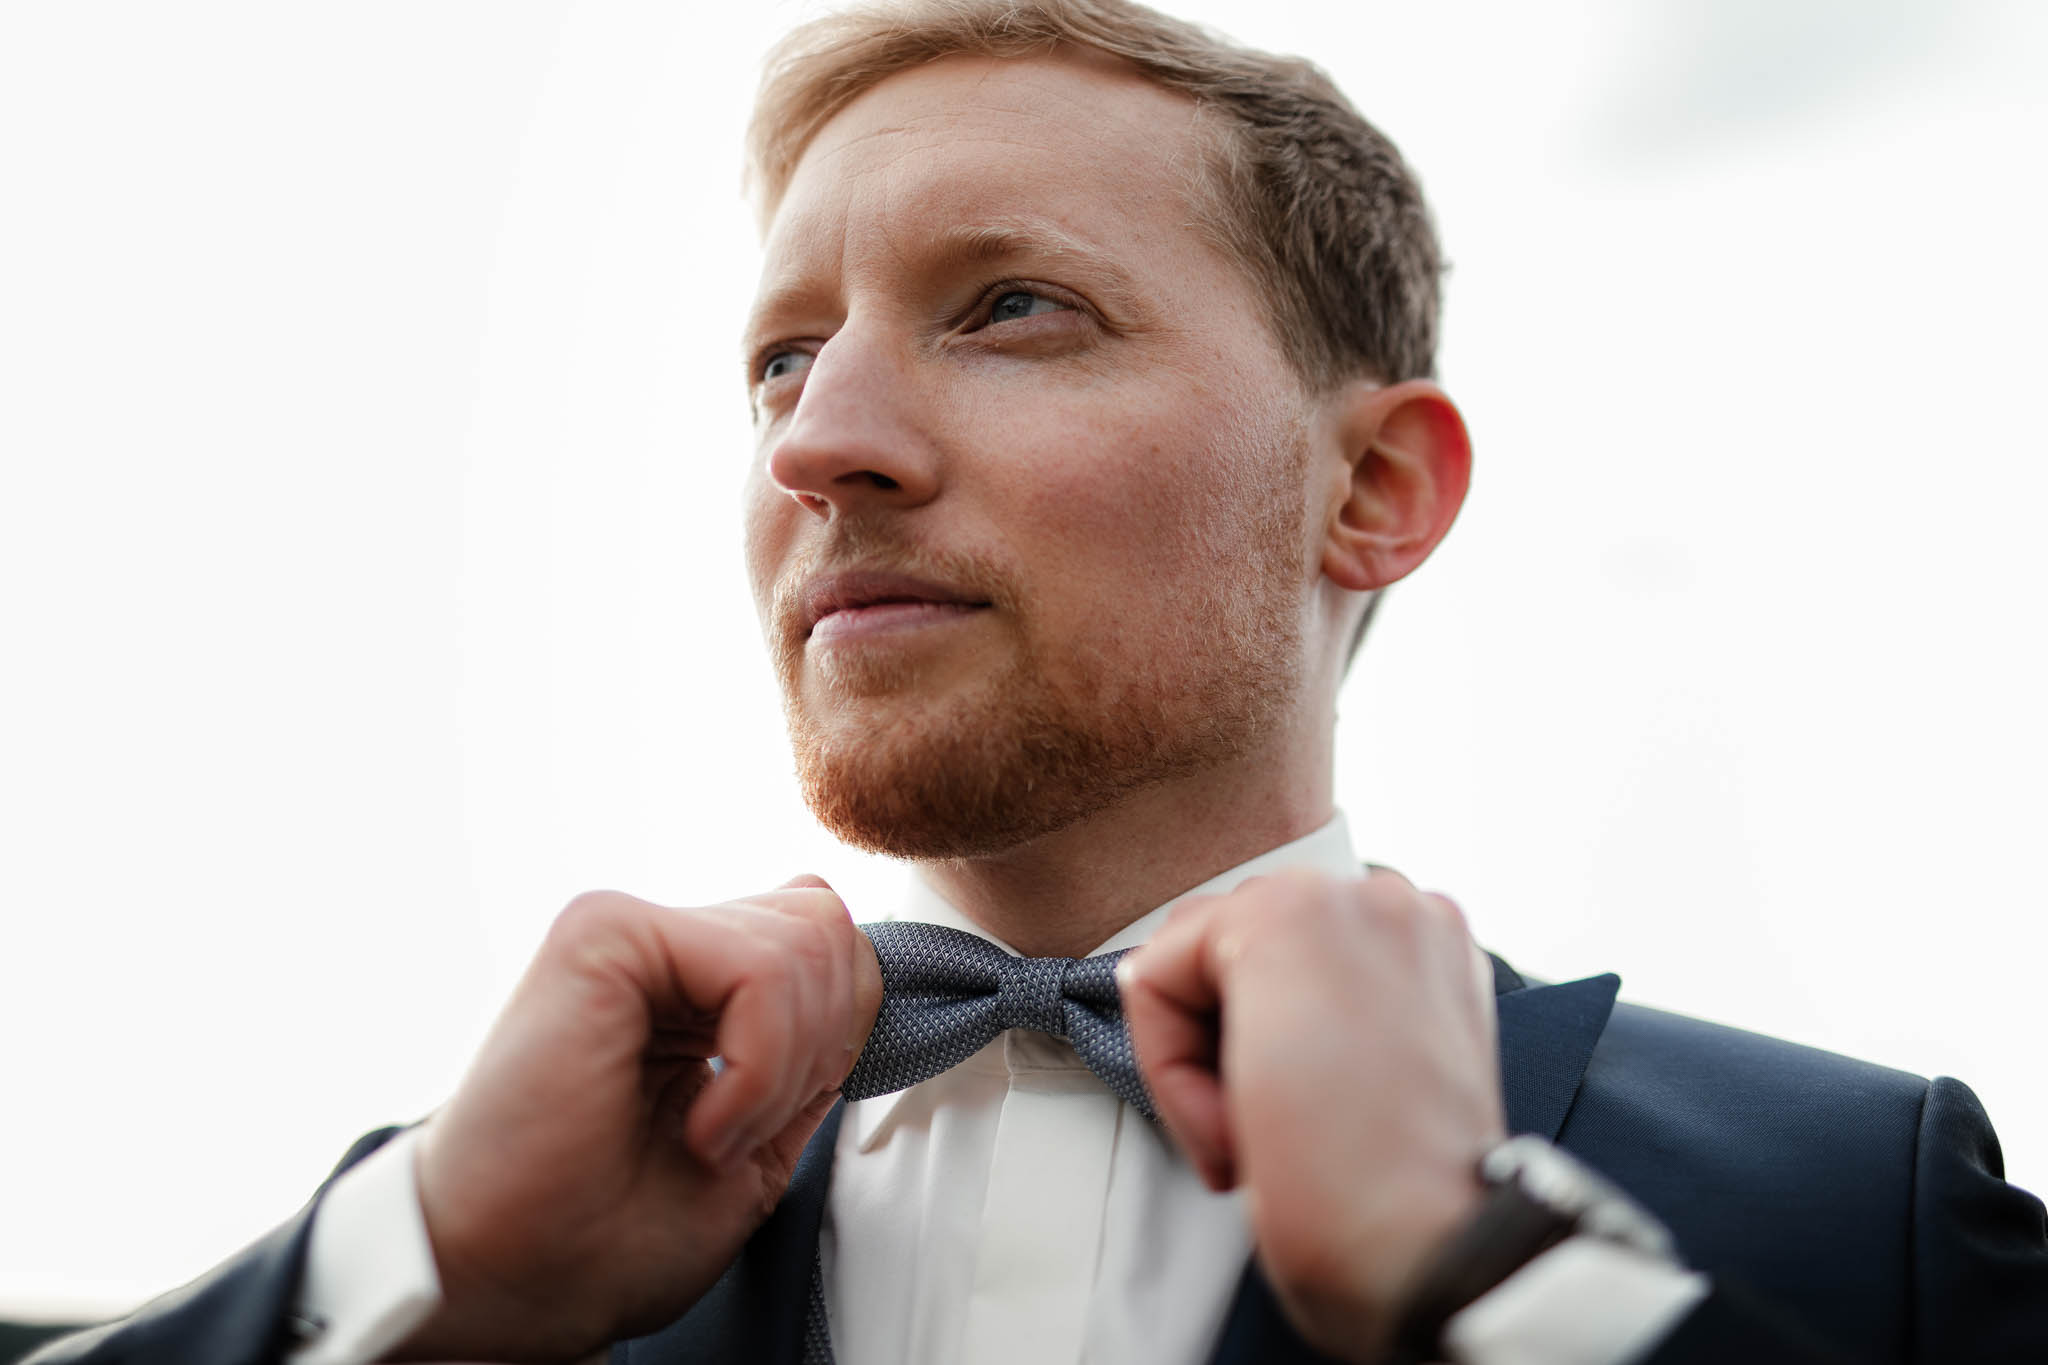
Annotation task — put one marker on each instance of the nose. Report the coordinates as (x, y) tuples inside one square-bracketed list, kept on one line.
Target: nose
[(858, 438)]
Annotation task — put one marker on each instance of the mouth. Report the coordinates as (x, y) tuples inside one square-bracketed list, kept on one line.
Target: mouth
[(842, 605)]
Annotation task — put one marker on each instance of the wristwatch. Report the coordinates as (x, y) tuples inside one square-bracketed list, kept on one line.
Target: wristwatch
[(1536, 1197)]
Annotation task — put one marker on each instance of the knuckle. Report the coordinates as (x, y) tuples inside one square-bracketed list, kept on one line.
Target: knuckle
[(1300, 899), (1304, 890), (747, 1084), (813, 918), (818, 902), (1393, 903), (790, 956), (1286, 887), (588, 913), (1448, 911), (816, 946), (765, 962)]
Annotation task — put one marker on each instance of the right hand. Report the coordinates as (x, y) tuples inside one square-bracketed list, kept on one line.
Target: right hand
[(592, 1176)]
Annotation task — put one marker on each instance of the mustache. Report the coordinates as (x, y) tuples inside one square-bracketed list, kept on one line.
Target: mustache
[(865, 547)]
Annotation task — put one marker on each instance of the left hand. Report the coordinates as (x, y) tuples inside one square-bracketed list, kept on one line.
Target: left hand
[(1328, 1046)]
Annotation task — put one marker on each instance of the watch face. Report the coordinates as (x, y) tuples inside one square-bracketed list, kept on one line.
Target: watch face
[(1562, 1183)]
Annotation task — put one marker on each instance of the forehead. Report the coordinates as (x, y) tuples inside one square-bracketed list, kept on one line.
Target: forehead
[(1076, 140)]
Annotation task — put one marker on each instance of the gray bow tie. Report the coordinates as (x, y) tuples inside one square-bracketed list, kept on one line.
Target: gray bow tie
[(947, 994)]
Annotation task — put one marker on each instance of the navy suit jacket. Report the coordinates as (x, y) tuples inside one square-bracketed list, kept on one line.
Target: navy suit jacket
[(1845, 1212)]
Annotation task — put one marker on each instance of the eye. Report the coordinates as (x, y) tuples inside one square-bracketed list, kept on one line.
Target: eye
[(784, 363), (1023, 303)]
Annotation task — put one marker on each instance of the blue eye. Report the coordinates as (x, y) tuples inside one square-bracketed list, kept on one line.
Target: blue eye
[(785, 363), (1022, 303)]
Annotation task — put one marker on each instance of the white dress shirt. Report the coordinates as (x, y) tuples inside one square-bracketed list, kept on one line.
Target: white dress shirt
[(1014, 1212)]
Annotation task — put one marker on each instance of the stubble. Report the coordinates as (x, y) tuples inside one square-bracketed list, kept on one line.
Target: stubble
[(1062, 728)]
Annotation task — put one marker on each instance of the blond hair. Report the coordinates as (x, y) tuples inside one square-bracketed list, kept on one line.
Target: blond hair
[(1305, 195)]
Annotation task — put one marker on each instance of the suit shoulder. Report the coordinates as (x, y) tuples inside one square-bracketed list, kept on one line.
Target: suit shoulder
[(1703, 1120), (1860, 1199), (1676, 1054)]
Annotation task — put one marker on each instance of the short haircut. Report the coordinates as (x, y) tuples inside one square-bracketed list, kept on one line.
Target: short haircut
[(1309, 199), (1313, 202)]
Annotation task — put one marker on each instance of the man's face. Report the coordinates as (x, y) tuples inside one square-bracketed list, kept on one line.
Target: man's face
[(1027, 524)]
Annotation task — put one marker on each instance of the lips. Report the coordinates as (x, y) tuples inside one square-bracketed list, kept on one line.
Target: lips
[(847, 593)]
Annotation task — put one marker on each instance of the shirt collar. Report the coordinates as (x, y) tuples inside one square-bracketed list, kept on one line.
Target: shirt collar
[(1327, 850)]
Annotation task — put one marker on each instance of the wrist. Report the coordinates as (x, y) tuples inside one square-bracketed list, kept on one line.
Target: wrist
[(1424, 1227), (1425, 1221), (480, 1315), (1535, 1198), (477, 1321), (1345, 1302)]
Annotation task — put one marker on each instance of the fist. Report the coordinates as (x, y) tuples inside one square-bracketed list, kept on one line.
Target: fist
[(1329, 1047), (593, 1174)]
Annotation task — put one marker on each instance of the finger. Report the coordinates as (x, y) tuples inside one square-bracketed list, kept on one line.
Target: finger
[(849, 996), (828, 994), (1171, 999), (807, 938), (1177, 962), (1177, 1055), (835, 1006), (1486, 1011), (1463, 961), (814, 938), (805, 895), (867, 997), (751, 1093), (726, 961)]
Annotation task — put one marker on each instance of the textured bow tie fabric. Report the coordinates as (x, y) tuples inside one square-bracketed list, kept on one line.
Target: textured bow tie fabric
[(946, 994)]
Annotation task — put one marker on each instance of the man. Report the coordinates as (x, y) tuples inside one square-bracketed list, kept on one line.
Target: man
[(1091, 371)]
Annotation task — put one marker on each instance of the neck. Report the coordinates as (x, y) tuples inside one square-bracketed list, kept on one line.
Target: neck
[(1065, 894)]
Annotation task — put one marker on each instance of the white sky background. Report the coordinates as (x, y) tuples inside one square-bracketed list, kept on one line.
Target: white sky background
[(371, 437)]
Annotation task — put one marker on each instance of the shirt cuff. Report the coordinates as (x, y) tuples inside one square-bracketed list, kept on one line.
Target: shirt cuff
[(370, 1277), (1583, 1302)]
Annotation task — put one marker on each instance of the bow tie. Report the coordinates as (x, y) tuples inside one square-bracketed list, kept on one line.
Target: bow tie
[(946, 995)]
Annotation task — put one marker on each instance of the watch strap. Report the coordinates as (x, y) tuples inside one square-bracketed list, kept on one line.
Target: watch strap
[(1509, 1230)]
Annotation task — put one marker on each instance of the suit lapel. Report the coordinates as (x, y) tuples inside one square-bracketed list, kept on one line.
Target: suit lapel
[(754, 1315), (1547, 1035)]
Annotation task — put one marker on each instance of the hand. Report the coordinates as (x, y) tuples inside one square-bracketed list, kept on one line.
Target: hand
[(592, 1176), (1329, 1046)]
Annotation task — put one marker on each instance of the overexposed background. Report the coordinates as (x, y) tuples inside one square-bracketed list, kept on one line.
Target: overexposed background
[(371, 436)]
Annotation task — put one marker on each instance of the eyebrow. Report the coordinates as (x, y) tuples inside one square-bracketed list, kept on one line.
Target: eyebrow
[(1009, 238), (983, 243)]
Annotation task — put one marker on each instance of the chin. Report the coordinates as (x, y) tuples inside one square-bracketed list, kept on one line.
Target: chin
[(979, 775), (951, 792)]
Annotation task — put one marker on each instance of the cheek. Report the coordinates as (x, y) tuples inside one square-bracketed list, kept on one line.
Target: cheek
[(766, 511), (1119, 512)]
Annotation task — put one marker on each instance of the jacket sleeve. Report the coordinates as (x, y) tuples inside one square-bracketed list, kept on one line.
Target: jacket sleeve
[(238, 1313), (1980, 1245), (1979, 1272)]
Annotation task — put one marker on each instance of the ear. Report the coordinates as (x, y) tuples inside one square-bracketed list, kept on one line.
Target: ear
[(1409, 463)]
